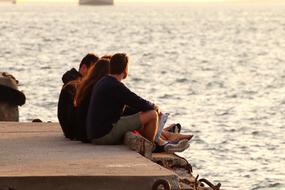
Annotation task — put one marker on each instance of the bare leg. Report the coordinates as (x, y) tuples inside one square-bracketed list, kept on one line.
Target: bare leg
[(149, 121)]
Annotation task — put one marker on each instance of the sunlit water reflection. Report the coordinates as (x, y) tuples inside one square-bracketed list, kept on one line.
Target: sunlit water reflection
[(219, 71)]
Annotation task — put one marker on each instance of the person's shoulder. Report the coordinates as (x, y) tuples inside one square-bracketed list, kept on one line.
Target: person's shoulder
[(109, 80), (103, 80), (70, 75)]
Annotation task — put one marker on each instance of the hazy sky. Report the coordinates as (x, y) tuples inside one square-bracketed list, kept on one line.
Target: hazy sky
[(133, 1), (126, 0)]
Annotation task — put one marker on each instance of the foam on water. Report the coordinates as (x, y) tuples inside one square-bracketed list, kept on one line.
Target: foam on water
[(219, 71)]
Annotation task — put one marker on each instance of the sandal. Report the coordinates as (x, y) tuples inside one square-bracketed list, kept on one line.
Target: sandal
[(176, 128)]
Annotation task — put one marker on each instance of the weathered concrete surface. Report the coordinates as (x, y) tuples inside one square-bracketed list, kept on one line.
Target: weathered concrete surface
[(36, 156), (139, 144), (8, 112)]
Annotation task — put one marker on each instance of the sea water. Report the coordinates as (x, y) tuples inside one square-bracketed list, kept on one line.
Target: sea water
[(219, 70)]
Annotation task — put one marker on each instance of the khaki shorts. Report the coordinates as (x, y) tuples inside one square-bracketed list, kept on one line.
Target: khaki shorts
[(116, 135)]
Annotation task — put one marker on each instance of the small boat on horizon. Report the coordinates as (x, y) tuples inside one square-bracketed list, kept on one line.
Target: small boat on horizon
[(96, 2)]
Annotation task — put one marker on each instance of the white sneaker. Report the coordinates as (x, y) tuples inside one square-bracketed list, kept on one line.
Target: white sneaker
[(180, 146)]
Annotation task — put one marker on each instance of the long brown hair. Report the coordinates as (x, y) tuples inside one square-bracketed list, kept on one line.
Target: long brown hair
[(95, 73)]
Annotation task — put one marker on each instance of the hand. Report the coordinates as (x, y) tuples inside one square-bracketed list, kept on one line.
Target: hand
[(157, 109)]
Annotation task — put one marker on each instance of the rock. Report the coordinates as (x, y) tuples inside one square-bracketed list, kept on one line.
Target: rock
[(8, 112), (10, 98), (139, 144)]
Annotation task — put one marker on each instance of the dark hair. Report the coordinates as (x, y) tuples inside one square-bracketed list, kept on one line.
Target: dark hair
[(106, 57), (95, 73), (89, 59), (118, 63)]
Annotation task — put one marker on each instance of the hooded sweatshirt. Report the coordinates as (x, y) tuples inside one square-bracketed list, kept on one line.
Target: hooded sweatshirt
[(65, 111)]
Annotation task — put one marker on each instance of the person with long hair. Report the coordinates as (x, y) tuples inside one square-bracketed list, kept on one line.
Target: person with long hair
[(83, 94)]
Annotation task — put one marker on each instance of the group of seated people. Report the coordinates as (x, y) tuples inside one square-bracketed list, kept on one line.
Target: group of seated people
[(96, 107)]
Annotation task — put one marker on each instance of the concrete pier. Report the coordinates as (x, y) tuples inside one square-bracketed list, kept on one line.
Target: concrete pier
[(36, 156)]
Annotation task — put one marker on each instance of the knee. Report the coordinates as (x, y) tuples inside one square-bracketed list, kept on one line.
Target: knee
[(153, 115), (148, 116)]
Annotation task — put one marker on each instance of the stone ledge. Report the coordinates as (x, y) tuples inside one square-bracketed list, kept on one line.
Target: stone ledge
[(37, 156)]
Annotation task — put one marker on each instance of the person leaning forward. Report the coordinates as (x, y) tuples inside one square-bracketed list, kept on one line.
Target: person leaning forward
[(65, 110), (105, 123)]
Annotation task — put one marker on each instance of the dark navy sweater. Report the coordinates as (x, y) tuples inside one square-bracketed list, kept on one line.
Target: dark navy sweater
[(108, 100), (65, 108)]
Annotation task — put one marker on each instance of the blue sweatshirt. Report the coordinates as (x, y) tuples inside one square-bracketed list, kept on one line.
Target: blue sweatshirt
[(108, 100)]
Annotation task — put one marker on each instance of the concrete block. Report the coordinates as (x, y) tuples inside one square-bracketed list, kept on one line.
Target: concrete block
[(36, 156), (139, 144)]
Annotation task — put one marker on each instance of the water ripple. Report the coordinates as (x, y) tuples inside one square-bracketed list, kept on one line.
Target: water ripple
[(219, 71)]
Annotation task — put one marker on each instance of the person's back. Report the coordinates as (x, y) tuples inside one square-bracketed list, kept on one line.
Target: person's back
[(66, 112), (83, 94), (80, 116), (107, 107)]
